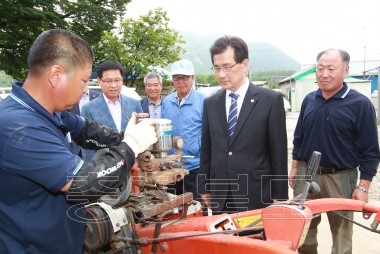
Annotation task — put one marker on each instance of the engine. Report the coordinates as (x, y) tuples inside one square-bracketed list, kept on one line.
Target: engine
[(143, 197)]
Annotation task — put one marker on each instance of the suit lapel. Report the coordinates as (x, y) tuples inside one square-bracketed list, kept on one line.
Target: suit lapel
[(75, 109), (105, 112), (92, 95), (124, 112), (249, 102), (221, 106)]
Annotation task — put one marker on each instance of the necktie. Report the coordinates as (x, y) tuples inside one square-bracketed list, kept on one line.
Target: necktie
[(232, 116)]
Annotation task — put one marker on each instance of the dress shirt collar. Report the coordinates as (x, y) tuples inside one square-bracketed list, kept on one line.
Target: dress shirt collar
[(109, 101), (151, 103), (241, 91), (184, 98), (85, 95)]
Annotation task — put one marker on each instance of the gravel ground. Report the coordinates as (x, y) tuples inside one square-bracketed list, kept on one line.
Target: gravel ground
[(374, 190)]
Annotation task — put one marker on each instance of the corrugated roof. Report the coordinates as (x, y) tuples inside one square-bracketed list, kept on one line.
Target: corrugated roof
[(259, 83), (348, 79), (298, 75), (357, 67)]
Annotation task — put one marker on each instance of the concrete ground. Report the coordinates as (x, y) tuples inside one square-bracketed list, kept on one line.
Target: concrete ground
[(364, 241)]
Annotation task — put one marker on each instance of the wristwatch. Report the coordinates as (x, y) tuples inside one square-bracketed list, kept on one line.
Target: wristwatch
[(362, 189)]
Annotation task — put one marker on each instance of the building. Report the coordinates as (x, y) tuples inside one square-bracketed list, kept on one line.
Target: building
[(261, 83), (298, 85)]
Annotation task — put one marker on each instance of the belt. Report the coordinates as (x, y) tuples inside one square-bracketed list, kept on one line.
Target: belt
[(329, 171)]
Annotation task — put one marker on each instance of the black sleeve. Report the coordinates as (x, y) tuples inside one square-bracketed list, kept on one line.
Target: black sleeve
[(102, 176), (95, 136)]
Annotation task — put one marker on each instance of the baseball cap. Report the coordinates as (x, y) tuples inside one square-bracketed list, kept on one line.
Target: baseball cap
[(184, 67)]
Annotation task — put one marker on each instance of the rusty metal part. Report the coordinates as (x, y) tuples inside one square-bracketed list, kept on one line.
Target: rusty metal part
[(157, 230), (164, 177), (150, 209), (98, 228), (168, 162), (144, 161), (135, 234), (148, 163)]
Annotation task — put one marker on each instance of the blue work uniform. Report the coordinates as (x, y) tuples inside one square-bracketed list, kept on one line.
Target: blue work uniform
[(342, 128), (187, 122), (34, 154)]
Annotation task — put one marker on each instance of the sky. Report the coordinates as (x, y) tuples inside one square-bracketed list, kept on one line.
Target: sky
[(299, 28)]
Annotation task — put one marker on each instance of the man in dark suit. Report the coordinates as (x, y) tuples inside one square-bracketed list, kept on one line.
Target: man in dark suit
[(243, 162), (86, 97)]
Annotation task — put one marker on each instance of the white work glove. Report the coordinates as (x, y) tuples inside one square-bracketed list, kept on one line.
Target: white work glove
[(140, 136)]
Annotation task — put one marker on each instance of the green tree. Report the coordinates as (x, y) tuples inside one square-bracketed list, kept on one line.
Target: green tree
[(212, 80), (200, 79), (206, 79), (5, 80), (22, 21), (140, 44)]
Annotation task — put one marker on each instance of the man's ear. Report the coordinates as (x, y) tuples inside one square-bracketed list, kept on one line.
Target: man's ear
[(245, 64), (55, 75), (346, 71)]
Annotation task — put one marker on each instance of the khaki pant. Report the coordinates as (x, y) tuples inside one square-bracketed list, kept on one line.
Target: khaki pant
[(340, 185)]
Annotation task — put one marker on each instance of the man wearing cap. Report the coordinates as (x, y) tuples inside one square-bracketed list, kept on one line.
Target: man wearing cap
[(184, 108)]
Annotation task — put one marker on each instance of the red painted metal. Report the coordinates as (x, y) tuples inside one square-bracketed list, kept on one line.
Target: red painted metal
[(285, 227)]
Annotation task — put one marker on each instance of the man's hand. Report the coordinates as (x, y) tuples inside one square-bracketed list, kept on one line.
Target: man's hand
[(293, 173), (206, 199), (359, 194), (140, 136)]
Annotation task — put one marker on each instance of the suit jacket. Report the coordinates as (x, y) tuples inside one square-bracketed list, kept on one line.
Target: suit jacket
[(97, 110), (145, 104), (92, 95), (253, 164)]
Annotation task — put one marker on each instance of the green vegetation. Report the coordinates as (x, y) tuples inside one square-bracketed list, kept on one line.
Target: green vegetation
[(206, 79), (271, 76), (22, 21), (137, 44), (140, 44), (5, 80)]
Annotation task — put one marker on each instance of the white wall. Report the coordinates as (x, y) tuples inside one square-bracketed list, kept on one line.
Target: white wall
[(306, 86)]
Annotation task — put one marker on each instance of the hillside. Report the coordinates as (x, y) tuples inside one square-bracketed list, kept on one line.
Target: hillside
[(263, 56)]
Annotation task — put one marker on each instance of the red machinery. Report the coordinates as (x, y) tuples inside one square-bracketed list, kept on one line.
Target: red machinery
[(147, 219)]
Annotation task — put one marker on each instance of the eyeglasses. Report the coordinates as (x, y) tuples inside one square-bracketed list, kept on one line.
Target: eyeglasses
[(225, 68), (110, 81), (184, 78)]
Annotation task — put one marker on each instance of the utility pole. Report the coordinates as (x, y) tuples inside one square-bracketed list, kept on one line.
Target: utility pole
[(365, 48), (378, 94)]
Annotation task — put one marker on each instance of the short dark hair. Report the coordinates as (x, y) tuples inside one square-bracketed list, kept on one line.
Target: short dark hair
[(344, 54), (110, 65), (238, 44), (58, 46)]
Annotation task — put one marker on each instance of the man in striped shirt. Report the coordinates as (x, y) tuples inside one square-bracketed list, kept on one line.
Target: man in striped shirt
[(152, 102)]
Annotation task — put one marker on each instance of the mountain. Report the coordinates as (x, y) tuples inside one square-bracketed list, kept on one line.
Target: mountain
[(263, 56)]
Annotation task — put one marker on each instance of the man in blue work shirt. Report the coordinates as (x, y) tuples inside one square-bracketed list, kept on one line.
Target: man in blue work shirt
[(340, 123), (44, 185), (185, 108)]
